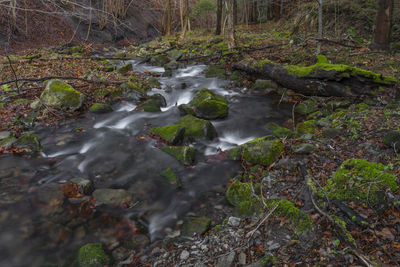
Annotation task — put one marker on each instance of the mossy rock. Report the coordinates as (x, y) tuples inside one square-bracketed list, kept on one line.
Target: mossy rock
[(331, 132), (100, 108), (159, 60), (241, 197), (129, 91), (173, 65), (195, 127), (392, 139), (307, 107), (175, 54), (214, 71), (154, 103), (171, 177), (30, 141), (304, 149), (102, 92), (337, 72), (125, 68), (362, 182), (185, 154), (106, 66), (264, 151), (173, 134), (261, 85), (280, 131), (8, 142), (153, 82), (208, 105), (196, 225), (60, 94), (306, 127), (300, 220), (93, 255), (185, 109)]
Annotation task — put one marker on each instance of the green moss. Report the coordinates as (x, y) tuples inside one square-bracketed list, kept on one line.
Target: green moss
[(280, 131), (261, 63), (195, 127), (124, 69), (240, 195), (300, 220), (100, 108), (206, 94), (102, 92), (151, 105), (262, 151), (267, 261), (76, 49), (29, 140), (8, 141), (362, 182), (171, 133), (61, 94), (307, 107), (344, 230), (321, 59), (153, 82), (170, 176), (185, 154), (93, 255), (307, 127), (211, 110), (20, 101), (341, 71)]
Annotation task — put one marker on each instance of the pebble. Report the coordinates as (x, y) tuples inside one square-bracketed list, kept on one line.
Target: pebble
[(184, 255), (242, 258), (234, 221), (204, 248)]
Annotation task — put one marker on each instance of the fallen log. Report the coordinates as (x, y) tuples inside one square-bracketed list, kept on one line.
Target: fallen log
[(321, 79)]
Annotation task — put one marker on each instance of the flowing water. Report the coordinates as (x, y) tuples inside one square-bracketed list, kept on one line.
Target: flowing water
[(37, 226)]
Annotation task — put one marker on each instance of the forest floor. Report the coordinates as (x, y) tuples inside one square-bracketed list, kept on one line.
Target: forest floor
[(361, 124)]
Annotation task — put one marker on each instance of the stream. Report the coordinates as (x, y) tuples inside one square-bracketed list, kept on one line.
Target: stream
[(39, 227)]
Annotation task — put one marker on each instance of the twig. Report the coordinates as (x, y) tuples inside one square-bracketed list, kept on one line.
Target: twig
[(265, 218), (15, 74), (293, 117)]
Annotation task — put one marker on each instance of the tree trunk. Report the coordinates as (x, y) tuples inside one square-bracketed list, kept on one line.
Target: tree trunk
[(169, 18), (185, 19), (230, 26), (276, 10), (219, 17), (320, 26), (235, 12), (383, 25)]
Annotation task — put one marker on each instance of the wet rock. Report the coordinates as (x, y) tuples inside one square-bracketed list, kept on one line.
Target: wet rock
[(280, 131), (261, 85), (30, 141), (113, 197), (129, 91), (153, 82), (331, 132), (85, 185), (207, 105), (93, 255), (215, 71), (304, 149), (227, 261), (392, 139), (100, 108), (185, 154), (173, 134), (263, 151), (154, 103), (60, 94), (125, 68), (196, 225)]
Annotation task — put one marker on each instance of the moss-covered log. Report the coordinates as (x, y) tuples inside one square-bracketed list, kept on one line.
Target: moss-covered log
[(322, 78)]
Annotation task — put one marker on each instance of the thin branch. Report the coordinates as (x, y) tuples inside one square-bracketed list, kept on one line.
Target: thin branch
[(62, 78), (15, 74)]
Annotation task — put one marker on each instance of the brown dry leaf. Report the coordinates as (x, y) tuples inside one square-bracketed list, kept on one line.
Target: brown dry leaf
[(386, 234)]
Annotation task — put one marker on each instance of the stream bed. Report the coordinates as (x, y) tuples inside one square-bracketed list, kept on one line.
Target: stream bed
[(38, 226)]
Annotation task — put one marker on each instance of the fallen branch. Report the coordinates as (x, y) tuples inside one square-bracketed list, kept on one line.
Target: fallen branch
[(61, 78), (15, 74), (323, 40)]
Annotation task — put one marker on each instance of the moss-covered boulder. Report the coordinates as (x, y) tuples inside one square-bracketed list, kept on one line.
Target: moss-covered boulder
[(100, 108), (392, 139), (8, 141), (93, 255), (195, 225), (215, 71), (125, 68), (30, 141), (307, 107), (208, 105), (175, 54), (113, 197), (261, 85), (173, 134), (286, 209), (185, 154), (195, 127), (159, 60), (264, 151), (241, 196), (154, 103), (153, 82), (60, 94), (280, 131), (129, 91), (306, 127), (361, 181)]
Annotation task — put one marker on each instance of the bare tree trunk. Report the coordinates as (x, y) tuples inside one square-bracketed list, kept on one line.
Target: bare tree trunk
[(230, 26), (383, 25), (320, 2), (219, 17), (181, 13), (169, 18), (235, 12), (185, 19)]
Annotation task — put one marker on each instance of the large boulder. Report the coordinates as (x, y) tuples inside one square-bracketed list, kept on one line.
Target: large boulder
[(263, 151), (207, 105), (154, 103), (60, 94), (129, 91)]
